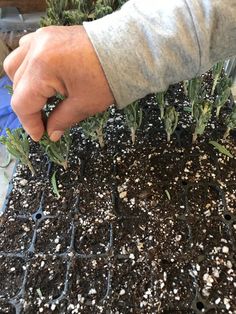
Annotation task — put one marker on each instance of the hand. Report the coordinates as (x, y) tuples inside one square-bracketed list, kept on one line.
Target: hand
[(56, 59)]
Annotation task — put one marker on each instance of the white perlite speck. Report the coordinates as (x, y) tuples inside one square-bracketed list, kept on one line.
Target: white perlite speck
[(122, 291), (225, 249), (226, 303), (217, 301), (23, 182), (123, 194), (53, 307), (208, 279), (131, 256)]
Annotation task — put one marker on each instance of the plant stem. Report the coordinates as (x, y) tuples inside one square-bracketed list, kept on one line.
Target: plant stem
[(218, 112), (132, 129), (194, 138), (226, 134), (215, 81), (192, 105), (185, 86), (162, 112), (65, 164), (100, 137), (31, 168)]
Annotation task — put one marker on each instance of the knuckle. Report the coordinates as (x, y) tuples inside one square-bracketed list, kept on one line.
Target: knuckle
[(16, 107), (7, 65)]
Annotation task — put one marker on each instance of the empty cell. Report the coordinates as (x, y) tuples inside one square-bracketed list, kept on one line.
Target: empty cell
[(89, 281), (227, 168), (12, 273), (93, 239), (6, 307), (95, 200), (198, 167), (217, 282), (204, 200), (146, 286), (230, 197), (45, 281), (53, 235), (15, 234)]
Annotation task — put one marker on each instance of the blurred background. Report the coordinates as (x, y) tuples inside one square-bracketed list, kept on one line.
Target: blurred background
[(18, 17)]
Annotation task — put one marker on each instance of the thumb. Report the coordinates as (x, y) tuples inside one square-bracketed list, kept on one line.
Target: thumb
[(64, 116)]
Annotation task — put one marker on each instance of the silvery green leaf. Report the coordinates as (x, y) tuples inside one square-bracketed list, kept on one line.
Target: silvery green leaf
[(221, 149)]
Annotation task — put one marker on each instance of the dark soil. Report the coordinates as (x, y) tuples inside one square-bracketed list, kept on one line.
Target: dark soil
[(144, 228)]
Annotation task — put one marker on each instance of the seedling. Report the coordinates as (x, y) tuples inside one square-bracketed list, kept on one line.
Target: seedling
[(93, 127), (58, 152), (10, 89), (58, 13), (54, 185), (196, 91), (230, 122), (201, 114), (39, 293), (17, 144), (160, 99), (133, 117), (171, 119), (223, 93), (216, 73), (168, 194), (75, 12), (102, 8)]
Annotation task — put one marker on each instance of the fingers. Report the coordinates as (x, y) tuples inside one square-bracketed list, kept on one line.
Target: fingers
[(27, 103), (19, 73), (26, 38), (33, 125), (63, 117), (14, 60), (17, 57)]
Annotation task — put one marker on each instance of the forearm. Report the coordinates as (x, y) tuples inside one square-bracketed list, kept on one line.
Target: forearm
[(148, 45)]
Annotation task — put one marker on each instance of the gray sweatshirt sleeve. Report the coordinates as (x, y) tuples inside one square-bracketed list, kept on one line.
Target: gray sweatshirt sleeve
[(149, 44)]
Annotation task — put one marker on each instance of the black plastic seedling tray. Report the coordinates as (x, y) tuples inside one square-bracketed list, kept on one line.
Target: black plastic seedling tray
[(149, 228)]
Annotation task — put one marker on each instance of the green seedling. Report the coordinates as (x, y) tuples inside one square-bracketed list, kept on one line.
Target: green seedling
[(171, 119), (9, 88), (54, 185), (216, 73), (39, 293), (160, 99), (93, 127), (196, 91), (64, 12), (168, 194), (133, 117), (58, 152), (230, 122), (201, 114), (74, 12), (102, 8), (223, 93), (17, 144), (222, 149)]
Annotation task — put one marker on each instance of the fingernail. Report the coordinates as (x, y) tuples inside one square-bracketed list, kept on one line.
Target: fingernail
[(56, 135), (36, 138)]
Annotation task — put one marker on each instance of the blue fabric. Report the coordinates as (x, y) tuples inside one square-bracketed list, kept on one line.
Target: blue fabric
[(8, 119)]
